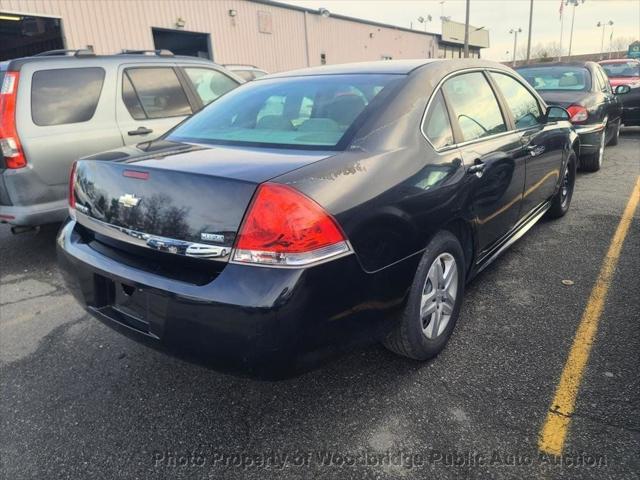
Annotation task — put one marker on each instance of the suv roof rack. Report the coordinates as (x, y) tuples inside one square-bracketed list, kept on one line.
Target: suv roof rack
[(240, 65), (161, 53), (82, 52)]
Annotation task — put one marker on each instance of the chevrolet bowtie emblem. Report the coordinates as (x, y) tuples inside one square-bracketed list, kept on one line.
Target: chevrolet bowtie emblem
[(128, 201)]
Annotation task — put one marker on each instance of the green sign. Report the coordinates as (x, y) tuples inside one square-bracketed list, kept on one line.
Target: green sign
[(634, 50)]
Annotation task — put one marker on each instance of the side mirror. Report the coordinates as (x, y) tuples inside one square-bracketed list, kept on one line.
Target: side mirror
[(556, 114), (622, 89)]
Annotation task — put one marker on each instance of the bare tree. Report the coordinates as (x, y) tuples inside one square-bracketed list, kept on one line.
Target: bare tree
[(621, 43), (541, 51)]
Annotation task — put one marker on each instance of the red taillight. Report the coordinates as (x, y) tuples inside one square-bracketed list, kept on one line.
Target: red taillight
[(577, 114), (9, 142), (72, 185), (284, 227)]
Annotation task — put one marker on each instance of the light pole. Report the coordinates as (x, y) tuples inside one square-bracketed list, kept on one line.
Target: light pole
[(603, 25), (530, 24), (425, 20), (515, 32), (466, 32), (575, 3)]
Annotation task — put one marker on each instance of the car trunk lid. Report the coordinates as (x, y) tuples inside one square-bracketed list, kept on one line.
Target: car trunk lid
[(188, 200)]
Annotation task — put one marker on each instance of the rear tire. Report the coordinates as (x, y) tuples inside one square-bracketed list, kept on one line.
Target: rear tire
[(593, 161), (562, 199), (434, 301), (616, 134)]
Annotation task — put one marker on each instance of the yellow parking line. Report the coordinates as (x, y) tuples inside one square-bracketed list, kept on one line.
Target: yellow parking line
[(555, 427)]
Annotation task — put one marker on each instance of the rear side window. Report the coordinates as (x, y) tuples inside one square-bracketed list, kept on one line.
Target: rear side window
[(438, 126), (523, 105), (154, 93), (66, 95), (209, 84), (245, 74), (474, 105)]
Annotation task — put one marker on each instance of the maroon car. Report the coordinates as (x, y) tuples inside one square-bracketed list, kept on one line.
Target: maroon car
[(626, 71)]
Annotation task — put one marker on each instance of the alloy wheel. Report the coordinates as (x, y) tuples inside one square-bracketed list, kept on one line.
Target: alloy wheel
[(439, 295), (566, 187)]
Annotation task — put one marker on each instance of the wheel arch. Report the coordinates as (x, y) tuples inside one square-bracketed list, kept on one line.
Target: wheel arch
[(462, 230)]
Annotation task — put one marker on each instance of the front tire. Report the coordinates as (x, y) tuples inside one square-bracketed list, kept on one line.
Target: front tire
[(562, 199), (434, 301)]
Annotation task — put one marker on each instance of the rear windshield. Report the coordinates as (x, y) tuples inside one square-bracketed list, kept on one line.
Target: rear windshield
[(622, 69), (557, 78), (311, 112)]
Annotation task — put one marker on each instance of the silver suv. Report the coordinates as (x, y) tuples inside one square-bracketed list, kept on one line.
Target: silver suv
[(59, 106)]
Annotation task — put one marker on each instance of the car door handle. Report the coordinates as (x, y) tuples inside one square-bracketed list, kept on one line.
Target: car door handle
[(535, 150), (140, 131), (477, 167)]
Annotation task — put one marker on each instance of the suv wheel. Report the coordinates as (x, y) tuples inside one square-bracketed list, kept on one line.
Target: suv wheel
[(434, 301)]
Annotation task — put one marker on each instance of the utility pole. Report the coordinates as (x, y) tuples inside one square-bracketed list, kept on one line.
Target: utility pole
[(515, 32), (466, 32), (575, 3), (530, 23)]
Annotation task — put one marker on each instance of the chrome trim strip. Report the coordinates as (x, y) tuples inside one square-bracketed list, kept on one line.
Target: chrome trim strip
[(155, 242), (489, 257), (584, 129)]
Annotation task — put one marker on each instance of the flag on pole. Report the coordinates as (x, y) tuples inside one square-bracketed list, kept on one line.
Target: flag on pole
[(561, 8)]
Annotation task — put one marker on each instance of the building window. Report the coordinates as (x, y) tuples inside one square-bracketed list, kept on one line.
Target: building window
[(265, 23)]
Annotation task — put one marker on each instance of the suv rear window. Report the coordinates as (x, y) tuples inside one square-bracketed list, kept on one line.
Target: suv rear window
[(295, 112), (154, 93), (65, 95)]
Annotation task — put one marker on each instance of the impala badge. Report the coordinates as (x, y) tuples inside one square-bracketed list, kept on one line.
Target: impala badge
[(212, 237), (128, 201)]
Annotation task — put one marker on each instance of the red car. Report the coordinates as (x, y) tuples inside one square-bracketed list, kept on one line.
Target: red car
[(626, 71)]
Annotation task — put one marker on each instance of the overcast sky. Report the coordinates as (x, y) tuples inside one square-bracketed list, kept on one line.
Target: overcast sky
[(498, 16)]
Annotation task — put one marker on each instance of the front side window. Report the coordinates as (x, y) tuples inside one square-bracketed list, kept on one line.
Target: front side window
[(522, 104), (156, 91), (474, 105), (557, 78), (437, 125), (210, 84), (313, 111), (66, 95)]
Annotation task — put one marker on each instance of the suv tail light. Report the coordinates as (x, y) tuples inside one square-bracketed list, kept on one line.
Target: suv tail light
[(577, 114), (9, 142), (284, 227)]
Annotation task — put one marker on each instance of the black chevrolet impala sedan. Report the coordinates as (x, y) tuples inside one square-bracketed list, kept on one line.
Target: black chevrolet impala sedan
[(311, 211)]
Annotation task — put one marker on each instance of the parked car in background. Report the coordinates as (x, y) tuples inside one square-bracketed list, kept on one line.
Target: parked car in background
[(59, 106), (584, 90), (626, 71), (246, 72), (264, 239)]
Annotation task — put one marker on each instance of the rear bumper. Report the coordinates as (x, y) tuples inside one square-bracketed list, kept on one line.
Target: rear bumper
[(31, 215), (264, 322), (589, 137), (26, 200)]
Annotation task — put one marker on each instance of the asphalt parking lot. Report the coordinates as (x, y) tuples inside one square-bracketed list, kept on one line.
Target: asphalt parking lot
[(80, 401)]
